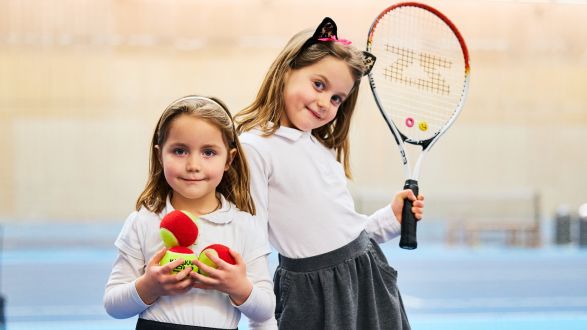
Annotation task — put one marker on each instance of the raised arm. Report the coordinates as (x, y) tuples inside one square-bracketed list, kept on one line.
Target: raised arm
[(385, 223)]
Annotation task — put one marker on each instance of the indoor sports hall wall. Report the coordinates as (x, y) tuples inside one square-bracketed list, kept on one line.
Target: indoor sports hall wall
[(83, 82)]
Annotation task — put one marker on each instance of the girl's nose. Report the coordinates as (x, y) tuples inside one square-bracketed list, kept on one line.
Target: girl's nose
[(193, 164), (323, 101)]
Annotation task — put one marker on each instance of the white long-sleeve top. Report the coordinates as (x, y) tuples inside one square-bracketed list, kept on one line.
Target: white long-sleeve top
[(301, 195), (139, 240)]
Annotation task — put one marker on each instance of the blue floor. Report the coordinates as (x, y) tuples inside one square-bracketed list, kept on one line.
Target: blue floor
[(53, 276)]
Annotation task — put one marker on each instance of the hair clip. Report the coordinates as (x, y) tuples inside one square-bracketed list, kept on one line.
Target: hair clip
[(345, 42)]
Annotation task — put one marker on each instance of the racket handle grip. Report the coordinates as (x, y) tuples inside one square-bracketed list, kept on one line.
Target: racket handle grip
[(408, 234)]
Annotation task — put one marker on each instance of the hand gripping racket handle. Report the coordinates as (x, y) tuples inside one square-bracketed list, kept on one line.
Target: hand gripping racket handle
[(408, 235)]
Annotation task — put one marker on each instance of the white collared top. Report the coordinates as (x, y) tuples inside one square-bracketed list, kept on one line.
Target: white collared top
[(300, 192), (139, 240)]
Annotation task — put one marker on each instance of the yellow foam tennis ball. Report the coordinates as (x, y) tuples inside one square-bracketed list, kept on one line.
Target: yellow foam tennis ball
[(179, 252)]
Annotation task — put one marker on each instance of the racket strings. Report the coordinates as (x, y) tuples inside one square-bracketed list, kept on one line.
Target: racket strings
[(420, 74)]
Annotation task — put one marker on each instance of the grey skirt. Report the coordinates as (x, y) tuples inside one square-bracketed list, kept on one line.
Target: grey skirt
[(352, 287), (143, 324)]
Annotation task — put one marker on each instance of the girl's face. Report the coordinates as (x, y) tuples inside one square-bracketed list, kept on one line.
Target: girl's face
[(314, 93), (194, 159)]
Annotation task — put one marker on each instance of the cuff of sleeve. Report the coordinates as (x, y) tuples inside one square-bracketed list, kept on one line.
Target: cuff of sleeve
[(136, 298), (249, 306), (383, 225)]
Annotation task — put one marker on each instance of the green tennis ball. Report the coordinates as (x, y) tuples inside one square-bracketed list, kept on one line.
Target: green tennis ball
[(218, 250), (179, 252)]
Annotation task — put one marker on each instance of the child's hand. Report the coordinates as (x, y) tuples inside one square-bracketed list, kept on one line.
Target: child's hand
[(159, 281), (227, 278), (398, 203)]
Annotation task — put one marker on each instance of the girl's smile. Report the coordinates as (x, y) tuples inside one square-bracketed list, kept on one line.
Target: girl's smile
[(315, 114), (188, 180)]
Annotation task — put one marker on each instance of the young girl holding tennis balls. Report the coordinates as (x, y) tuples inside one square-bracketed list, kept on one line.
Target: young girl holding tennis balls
[(197, 166), (332, 273)]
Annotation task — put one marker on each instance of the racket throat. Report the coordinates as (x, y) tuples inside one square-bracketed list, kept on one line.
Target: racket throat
[(405, 163)]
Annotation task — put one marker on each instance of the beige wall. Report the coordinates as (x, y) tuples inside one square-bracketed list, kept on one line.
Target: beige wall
[(83, 82)]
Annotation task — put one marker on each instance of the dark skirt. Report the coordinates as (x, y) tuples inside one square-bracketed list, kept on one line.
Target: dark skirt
[(352, 287), (143, 324)]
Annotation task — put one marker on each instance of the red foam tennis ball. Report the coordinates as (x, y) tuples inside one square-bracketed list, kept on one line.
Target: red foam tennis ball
[(178, 228), (220, 251), (179, 252)]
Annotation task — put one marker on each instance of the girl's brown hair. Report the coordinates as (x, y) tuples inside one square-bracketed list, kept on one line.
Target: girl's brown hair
[(268, 107), (234, 185)]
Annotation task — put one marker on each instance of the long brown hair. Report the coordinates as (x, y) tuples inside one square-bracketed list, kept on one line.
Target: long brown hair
[(268, 107), (234, 185)]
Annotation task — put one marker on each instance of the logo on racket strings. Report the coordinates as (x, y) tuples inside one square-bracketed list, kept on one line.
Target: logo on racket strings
[(433, 82)]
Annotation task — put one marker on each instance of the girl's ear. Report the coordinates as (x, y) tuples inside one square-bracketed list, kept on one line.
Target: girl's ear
[(286, 75), (158, 152), (230, 158)]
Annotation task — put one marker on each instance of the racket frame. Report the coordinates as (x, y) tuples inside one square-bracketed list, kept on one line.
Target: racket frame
[(411, 176)]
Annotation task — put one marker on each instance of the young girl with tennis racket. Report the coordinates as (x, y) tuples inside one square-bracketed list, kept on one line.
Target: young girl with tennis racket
[(332, 273)]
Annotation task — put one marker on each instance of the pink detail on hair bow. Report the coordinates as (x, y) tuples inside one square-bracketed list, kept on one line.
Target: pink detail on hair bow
[(333, 38)]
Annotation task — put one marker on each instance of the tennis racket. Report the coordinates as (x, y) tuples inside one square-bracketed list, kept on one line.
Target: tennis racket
[(419, 82)]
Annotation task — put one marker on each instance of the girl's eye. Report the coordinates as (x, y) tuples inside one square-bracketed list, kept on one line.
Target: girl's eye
[(336, 100), (319, 85), (209, 153), (179, 151)]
